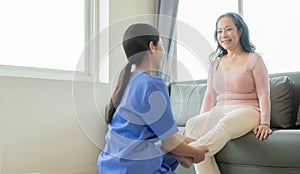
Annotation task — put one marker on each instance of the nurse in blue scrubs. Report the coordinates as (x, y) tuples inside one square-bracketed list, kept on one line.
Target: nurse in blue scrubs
[(142, 135)]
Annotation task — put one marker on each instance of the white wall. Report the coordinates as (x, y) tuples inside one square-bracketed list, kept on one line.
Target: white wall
[(127, 13), (40, 130)]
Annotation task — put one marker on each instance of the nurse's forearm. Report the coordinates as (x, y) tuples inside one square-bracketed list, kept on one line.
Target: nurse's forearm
[(177, 145)]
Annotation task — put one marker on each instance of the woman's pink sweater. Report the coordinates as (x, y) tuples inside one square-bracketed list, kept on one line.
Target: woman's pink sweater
[(247, 85)]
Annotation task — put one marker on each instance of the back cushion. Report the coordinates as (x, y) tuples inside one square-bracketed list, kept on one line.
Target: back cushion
[(186, 100), (283, 103)]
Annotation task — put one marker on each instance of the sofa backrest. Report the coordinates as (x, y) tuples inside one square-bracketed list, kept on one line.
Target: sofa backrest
[(187, 96), (295, 76)]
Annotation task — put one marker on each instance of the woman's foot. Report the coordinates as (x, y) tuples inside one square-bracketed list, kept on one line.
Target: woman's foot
[(186, 162)]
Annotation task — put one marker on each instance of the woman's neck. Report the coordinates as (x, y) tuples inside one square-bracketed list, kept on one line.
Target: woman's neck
[(234, 54), (146, 65)]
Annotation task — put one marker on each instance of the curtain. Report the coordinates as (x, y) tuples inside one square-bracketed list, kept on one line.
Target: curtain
[(166, 14)]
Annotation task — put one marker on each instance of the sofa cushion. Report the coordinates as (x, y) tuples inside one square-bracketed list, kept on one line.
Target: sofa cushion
[(281, 149), (282, 94), (186, 100)]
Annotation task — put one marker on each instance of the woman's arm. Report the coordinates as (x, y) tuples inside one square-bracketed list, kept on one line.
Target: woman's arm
[(261, 79), (209, 99)]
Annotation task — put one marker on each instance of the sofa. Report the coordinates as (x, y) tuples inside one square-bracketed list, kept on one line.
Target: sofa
[(279, 154)]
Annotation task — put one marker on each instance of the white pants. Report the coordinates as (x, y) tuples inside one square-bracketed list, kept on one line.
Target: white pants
[(215, 128)]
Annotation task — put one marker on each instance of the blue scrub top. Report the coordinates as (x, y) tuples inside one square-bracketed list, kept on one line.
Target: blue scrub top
[(143, 118)]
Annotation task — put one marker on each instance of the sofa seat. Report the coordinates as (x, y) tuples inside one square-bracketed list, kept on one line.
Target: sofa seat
[(250, 155)]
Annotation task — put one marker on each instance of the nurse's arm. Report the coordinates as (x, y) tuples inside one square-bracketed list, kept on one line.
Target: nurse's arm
[(176, 145)]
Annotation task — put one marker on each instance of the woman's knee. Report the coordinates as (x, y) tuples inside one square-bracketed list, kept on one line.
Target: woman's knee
[(190, 124), (240, 116), (239, 122), (194, 125)]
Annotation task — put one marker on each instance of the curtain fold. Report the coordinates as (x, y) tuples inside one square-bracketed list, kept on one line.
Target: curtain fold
[(166, 16)]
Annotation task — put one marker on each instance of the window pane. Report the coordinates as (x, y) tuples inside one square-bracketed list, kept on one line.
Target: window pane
[(202, 16), (272, 32), (44, 34), (104, 45)]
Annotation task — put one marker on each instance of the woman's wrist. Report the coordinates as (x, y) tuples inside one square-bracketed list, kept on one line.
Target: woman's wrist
[(265, 124)]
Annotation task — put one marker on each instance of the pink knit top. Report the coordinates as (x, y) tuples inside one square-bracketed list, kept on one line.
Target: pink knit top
[(247, 85)]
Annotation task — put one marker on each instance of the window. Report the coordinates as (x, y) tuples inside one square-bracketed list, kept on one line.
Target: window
[(200, 15), (274, 32), (42, 34), (47, 39)]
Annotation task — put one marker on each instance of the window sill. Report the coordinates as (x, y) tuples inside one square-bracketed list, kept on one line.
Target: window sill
[(41, 73)]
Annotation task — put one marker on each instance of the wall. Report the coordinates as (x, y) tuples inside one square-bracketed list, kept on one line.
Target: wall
[(42, 131), (39, 129), (129, 12)]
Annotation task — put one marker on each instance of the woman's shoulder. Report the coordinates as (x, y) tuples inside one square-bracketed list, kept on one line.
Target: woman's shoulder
[(146, 80), (255, 59), (255, 56), (144, 76), (141, 77)]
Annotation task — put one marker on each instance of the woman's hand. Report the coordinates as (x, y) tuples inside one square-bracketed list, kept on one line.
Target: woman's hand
[(262, 131)]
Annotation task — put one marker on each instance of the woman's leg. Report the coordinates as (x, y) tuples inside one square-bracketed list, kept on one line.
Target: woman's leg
[(199, 125), (236, 122), (208, 166), (194, 126)]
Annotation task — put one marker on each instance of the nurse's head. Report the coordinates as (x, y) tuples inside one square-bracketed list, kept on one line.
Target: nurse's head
[(141, 43)]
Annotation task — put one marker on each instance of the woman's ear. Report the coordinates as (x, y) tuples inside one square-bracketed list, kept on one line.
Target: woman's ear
[(151, 46), (240, 32)]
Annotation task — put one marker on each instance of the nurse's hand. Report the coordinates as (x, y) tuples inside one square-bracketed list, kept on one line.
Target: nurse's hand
[(184, 161), (189, 140), (199, 154)]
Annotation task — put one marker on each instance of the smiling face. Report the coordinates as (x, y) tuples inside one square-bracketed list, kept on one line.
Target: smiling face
[(228, 34)]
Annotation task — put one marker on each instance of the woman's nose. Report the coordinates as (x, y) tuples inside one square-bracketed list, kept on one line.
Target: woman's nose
[(223, 34)]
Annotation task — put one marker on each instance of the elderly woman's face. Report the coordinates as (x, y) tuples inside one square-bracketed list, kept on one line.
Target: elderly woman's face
[(227, 34)]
